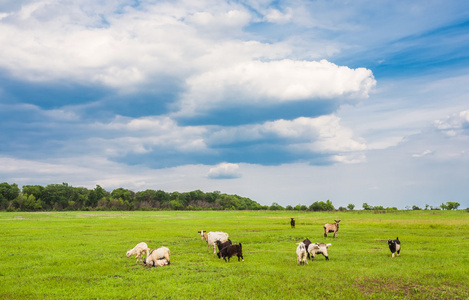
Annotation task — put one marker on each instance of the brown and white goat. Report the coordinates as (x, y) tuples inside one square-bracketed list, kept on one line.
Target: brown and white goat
[(318, 248), (301, 254), (331, 228)]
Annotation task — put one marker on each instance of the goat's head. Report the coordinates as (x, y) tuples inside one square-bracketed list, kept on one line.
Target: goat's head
[(129, 253)]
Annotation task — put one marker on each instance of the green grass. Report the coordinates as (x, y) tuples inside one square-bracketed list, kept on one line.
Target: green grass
[(81, 255)]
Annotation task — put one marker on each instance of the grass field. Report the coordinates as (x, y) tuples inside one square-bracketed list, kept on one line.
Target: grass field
[(81, 255)]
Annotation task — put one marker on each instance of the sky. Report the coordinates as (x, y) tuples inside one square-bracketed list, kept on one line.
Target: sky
[(287, 102)]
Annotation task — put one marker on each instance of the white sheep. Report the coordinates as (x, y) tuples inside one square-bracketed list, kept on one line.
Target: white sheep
[(139, 250), (156, 255), (318, 248), (301, 254), (213, 237)]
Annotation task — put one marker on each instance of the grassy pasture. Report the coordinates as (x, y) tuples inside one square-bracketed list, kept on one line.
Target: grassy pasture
[(81, 255)]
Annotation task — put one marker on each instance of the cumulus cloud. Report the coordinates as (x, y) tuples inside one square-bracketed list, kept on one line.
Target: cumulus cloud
[(224, 171), (258, 82)]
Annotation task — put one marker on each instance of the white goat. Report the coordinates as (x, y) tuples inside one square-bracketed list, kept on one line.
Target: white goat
[(158, 257), (213, 237), (318, 248), (301, 254), (139, 250)]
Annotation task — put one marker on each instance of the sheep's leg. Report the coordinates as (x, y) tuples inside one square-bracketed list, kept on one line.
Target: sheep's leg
[(393, 255)]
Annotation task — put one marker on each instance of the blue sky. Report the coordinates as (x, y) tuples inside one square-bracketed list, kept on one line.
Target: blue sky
[(280, 101)]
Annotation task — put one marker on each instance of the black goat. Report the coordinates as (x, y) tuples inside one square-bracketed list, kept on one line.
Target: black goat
[(221, 245), (230, 251), (292, 223), (394, 246)]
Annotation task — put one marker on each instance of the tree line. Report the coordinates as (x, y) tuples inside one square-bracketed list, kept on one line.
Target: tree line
[(66, 197)]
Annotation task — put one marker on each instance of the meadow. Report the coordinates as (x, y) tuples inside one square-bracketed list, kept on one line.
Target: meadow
[(81, 255)]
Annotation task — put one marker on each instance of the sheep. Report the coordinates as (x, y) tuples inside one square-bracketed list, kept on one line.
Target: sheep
[(301, 254), (318, 248), (331, 228), (230, 251), (139, 250), (156, 255), (213, 237), (292, 223), (159, 263), (221, 245), (394, 246)]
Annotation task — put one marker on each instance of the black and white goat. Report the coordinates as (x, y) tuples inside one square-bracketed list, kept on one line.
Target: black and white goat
[(331, 228), (394, 246)]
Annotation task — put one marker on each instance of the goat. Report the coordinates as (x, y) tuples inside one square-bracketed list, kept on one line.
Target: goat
[(139, 250), (307, 242), (213, 237), (331, 228), (203, 234), (156, 255), (318, 248), (292, 223), (230, 251), (301, 254), (394, 246), (221, 245)]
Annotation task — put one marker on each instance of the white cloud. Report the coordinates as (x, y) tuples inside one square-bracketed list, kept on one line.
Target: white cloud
[(424, 153), (454, 124), (275, 82), (224, 171)]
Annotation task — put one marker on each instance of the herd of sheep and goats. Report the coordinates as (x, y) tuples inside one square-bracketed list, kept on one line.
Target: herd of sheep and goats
[(306, 250)]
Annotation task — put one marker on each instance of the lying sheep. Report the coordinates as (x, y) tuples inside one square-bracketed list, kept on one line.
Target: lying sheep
[(394, 246), (318, 248), (139, 250), (230, 251), (331, 228), (301, 254), (161, 253)]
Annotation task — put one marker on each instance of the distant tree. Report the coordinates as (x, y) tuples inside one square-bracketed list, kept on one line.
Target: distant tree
[(415, 207), (379, 207), (450, 205), (288, 207), (276, 206), (350, 206), (367, 207)]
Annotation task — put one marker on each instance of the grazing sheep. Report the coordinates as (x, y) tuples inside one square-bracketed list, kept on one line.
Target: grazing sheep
[(230, 251), (221, 245), (318, 248), (292, 223), (213, 237), (157, 254), (139, 250), (331, 228), (394, 246), (301, 254)]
